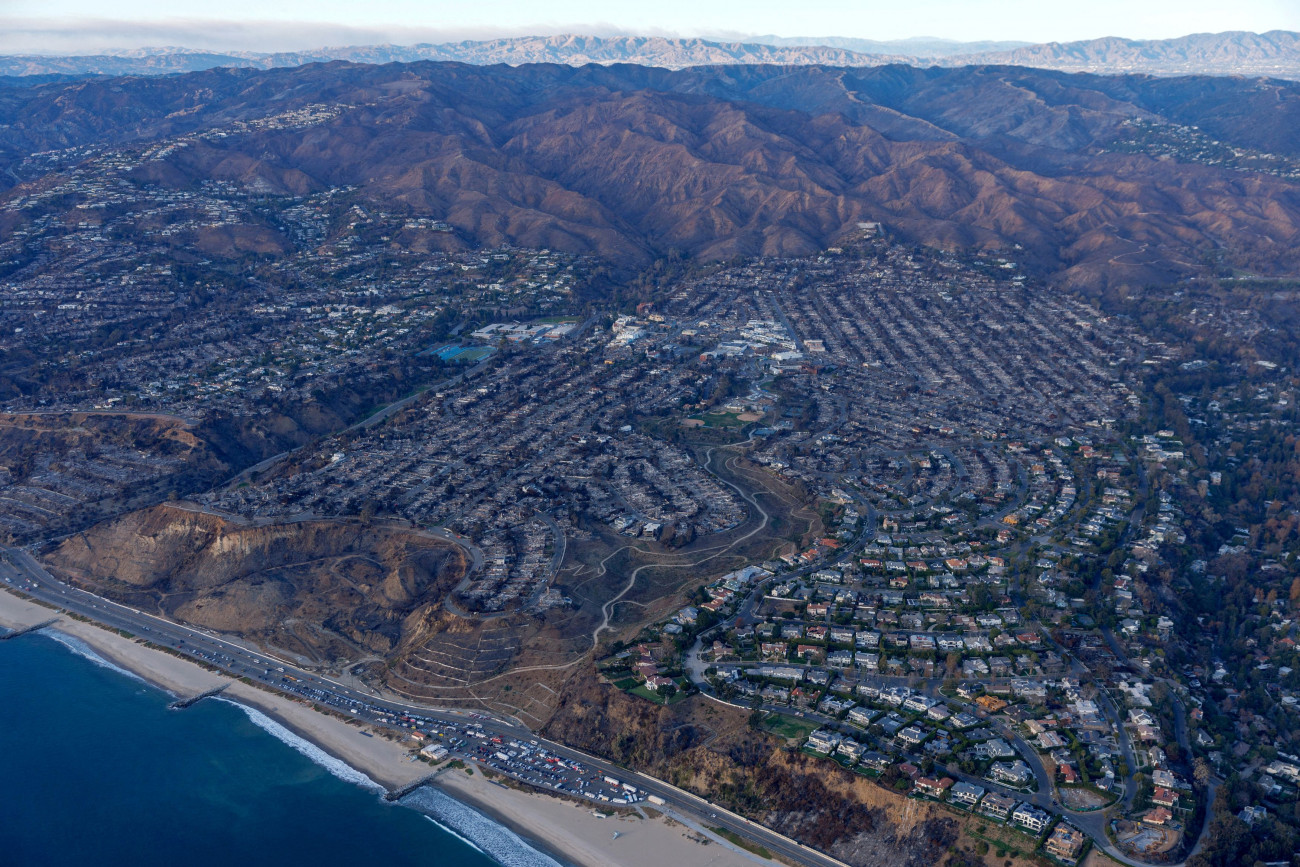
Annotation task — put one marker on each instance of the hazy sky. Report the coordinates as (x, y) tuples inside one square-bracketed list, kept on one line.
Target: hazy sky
[(62, 25)]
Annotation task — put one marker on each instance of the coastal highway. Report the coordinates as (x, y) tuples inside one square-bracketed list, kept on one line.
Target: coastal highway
[(18, 569)]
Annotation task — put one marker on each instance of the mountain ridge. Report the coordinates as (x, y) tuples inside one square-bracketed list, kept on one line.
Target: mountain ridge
[(1275, 53), (569, 49), (916, 47), (630, 163)]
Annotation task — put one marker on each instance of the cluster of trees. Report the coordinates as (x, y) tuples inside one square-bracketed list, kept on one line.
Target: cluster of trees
[(1231, 842)]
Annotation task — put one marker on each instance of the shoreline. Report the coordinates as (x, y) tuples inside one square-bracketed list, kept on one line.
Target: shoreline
[(563, 830), (640, 842)]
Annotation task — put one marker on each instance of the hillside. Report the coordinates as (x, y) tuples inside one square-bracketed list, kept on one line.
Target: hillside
[(323, 590), (631, 163), (62, 471), (711, 750)]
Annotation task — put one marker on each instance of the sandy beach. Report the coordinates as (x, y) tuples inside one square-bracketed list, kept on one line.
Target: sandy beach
[(566, 828), (575, 830)]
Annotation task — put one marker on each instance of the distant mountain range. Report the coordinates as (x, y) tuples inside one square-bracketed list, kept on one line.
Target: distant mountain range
[(1276, 54), (918, 48), (568, 50), (1273, 54)]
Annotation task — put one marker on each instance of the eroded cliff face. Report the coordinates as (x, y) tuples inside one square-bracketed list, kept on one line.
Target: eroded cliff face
[(330, 590), (710, 750)]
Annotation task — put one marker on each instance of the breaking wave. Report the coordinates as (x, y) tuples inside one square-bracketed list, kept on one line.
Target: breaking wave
[(336, 767), (493, 839), (467, 841), (461, 821), (84, 650)]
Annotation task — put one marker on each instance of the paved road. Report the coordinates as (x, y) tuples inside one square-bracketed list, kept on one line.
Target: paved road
[(695, 666), (20, 570)]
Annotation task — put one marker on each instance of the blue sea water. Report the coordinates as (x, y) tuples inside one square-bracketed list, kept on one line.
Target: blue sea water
[(95, 770)]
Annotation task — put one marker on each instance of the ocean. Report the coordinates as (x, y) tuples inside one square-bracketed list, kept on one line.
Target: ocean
[(95, 770)]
